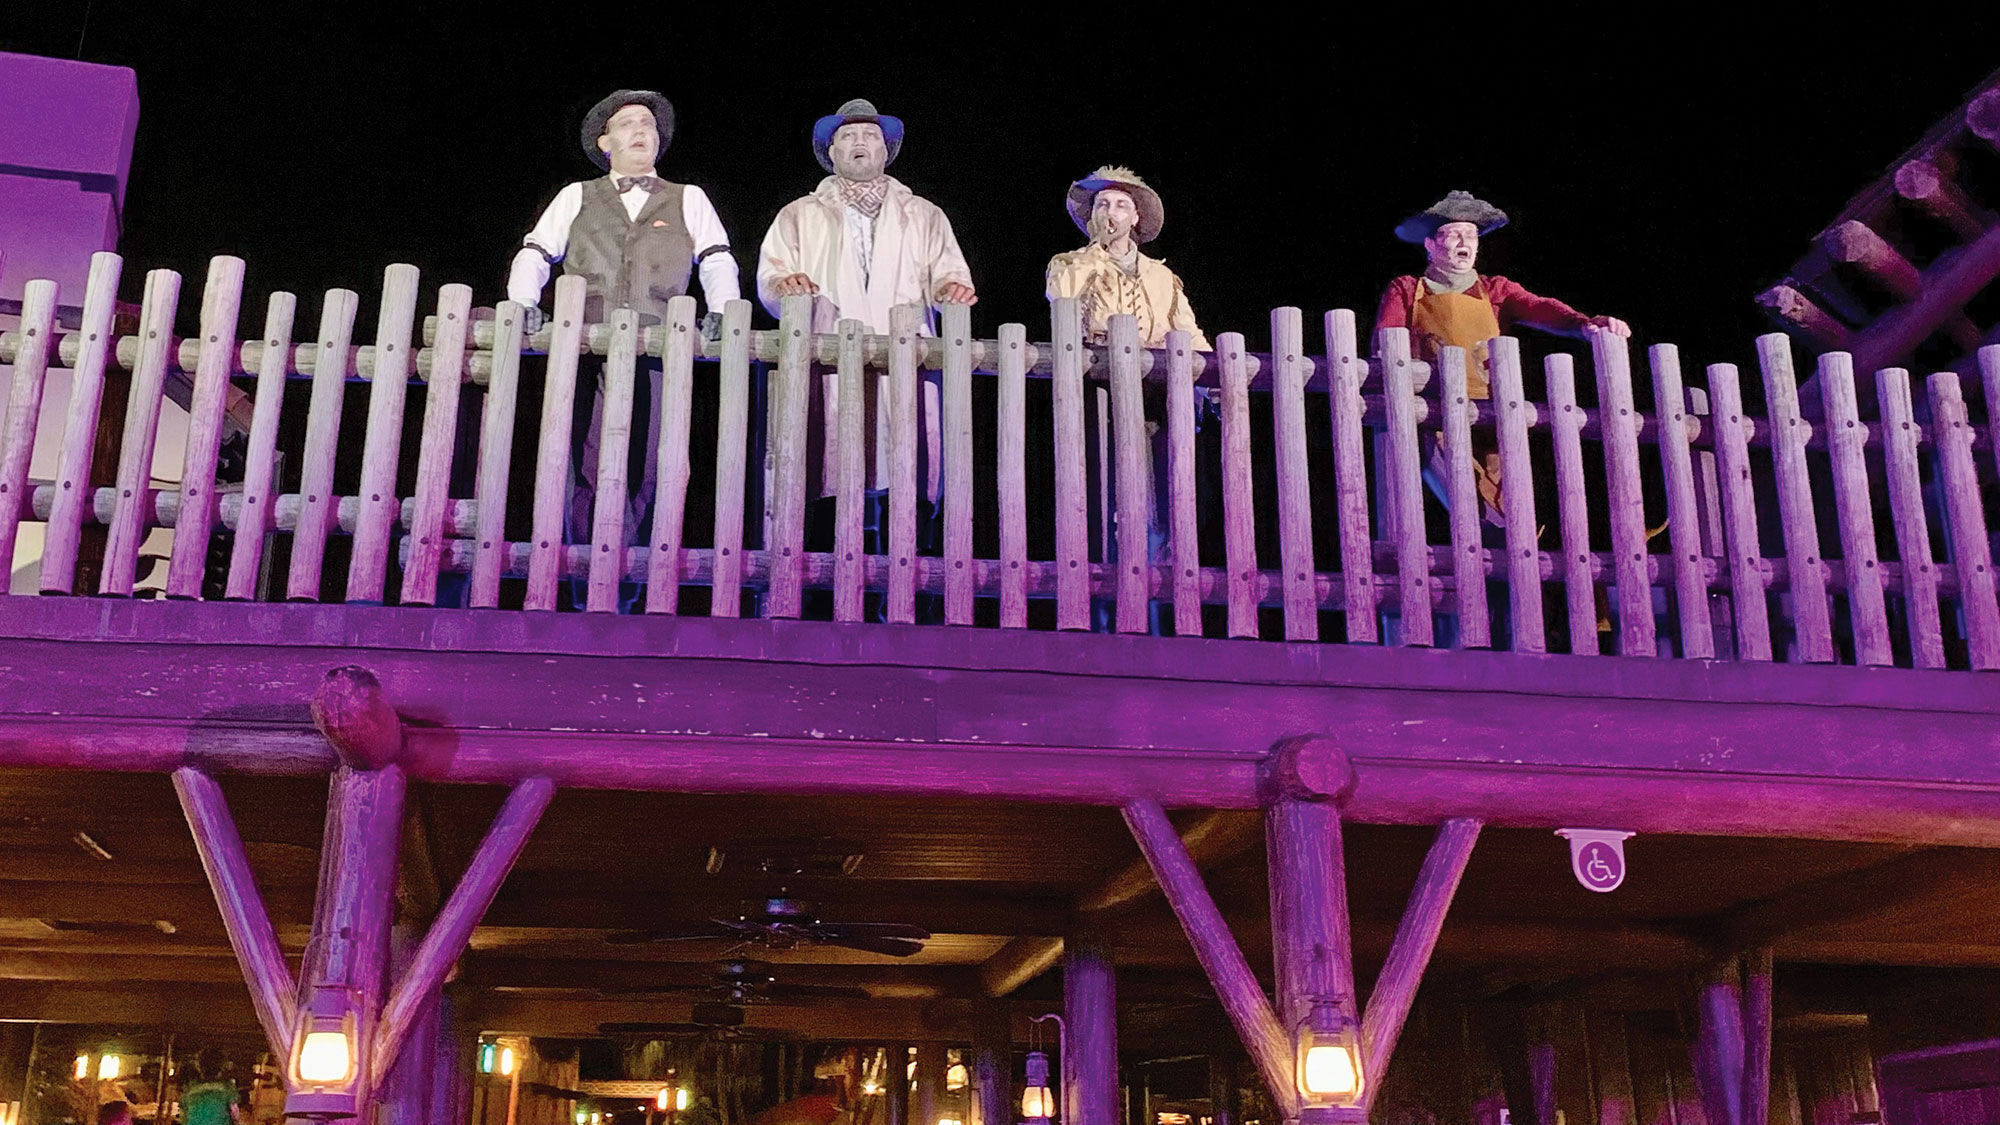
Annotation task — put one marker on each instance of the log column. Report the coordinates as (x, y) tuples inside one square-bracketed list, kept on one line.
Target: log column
[(1090, 1043), (928, 1104), (896, 1086), (992, 1069)]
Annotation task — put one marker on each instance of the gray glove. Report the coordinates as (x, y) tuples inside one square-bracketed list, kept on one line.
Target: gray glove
[(711, 326), (532, 319)]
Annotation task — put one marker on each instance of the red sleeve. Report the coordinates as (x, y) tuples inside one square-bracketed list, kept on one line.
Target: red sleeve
[(1515, 305), (1398, 304)]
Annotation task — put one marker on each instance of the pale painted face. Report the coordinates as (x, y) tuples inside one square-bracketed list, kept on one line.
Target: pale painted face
[(632, 140), (1454, 247), (858, 151), (1113, 216)]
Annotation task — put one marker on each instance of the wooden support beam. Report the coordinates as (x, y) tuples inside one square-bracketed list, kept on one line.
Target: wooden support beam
[(896, 1102), (1242, 997), (992, 1069), (1939, 196), (1800, 314), (1090, 1035), (1223, 1107), (1948, 284), (448, 935), (1719, 1045), (1757, 1037), (1021, 960), (929, 1097), (251, 937), (351, 712), (1410, 952)]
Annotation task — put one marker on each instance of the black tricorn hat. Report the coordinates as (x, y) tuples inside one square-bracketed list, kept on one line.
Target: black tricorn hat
[(1455, 207), (599, 117)]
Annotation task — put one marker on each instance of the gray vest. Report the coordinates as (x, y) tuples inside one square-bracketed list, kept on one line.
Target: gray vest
[(639, 263)]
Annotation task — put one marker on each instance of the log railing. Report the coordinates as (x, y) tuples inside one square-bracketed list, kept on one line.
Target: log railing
[(1300, 511)]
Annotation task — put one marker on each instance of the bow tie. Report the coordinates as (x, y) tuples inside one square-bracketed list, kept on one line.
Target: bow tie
[(627, 183)]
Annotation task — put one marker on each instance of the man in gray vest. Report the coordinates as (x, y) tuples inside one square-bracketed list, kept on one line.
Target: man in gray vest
[(635, 239)]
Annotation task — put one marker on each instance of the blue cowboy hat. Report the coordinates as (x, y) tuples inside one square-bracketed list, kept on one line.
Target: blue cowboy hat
[(599, 118), (856, 110), (1455, 207)]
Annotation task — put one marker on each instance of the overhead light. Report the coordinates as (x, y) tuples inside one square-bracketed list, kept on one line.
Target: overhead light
[(1329, 1058), (954, 1077), (508, 1060), (488, 1053), (107, 1068), (326, 1051), (83, 840), (82, 1067), (1036, 1102), (681, 1098)]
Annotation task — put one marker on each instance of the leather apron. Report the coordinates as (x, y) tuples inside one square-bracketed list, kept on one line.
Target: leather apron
[(1462, 320)]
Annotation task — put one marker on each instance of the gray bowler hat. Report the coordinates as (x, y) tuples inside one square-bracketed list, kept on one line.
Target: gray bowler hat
[(1455, 207), (599, 118)]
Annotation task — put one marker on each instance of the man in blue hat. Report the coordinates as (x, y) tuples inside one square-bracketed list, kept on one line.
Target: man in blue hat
[(635, 239)]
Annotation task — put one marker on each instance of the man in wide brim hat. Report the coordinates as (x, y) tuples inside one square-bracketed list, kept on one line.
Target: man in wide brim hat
[(1083, 194), (599, 118), (1455, 207), (856, 111)]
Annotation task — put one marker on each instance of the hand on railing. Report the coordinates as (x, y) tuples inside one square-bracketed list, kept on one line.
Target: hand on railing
[(1612, 325), (953, 293), (796, 285), (532, 319)]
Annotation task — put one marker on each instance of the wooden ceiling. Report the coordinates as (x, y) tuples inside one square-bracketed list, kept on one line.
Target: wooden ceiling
[(105, 914)]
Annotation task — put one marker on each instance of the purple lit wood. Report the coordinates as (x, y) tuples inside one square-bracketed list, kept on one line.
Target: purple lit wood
[(959, 455), (1620, 423), (356, 898), (127, 528), (435, 448), (850, 564), (663, 566), (1132, 461), (1739, 514), (1290, 370), (1611, 1065), (222, 298), (1845, 439), (614, 444), (73, 492), (1708, 498), (1214, 946), (1757, 1036), (1572, 503), (904, 321), (791, 394), (1812, 627), (1697, 633), (496, 451), (1965, 521), (1513, 414), (367, 570), (450, 932), (930, 1077), (1239, 515), (1719, 1046), (1400, 382), (552, 450), (1089, 1065), (244, 918), (1072, 500), (260, 462), (733, 455), (1906, 510), (1101, 416), (1011, 473), (993, 1050), (1989, 373), (24, 408), (1182, 527), (318, 507), (1345, 373), (1410, 952), (1468, 558)]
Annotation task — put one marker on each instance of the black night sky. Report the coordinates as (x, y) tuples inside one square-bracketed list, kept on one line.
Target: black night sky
[(1660, 163)]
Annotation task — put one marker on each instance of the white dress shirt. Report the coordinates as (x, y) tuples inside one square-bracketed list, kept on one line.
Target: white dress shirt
[(549, 241)]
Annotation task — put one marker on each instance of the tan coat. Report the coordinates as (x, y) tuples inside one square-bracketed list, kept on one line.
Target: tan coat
[(1154, 296), (916, 254)]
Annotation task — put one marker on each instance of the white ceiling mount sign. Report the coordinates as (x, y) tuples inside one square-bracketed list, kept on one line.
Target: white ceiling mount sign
[(1596, 856)]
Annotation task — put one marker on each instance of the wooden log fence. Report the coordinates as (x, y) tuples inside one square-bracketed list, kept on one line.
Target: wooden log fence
[(1298, 495)]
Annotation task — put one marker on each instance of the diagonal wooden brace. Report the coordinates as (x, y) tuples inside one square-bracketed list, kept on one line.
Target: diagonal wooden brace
[(243, 916), (452, 929), (1242, 997), (1410, 952)]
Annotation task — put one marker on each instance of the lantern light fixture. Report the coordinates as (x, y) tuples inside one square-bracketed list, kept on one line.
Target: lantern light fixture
[(326, 1055), (1036, 1104), (1329, 1058), (82, 1070)]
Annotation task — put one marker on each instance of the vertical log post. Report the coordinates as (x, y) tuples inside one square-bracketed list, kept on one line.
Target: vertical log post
[(732, 429), (1805, 576), (1072, 498), (1965, 522), (1708, 498), (1130, 465), (435, 448), (24, 408), (1572, 504), (1620, 423), (318, 506), (222, 297), (1514, 414), (1090, 1039), (73, 491), (1011, 472), (1401, 380), (959, 455), (367, 568), (785, 457), (1739, 512), (904, 321), (896, 1083), (496, 451), (850, 565), (1468, 557), (1183, 527), (1757, 1037), (552, 450), (663, 567), (1906, 509), (1223, 1106), (1290, 370), (133, 503), (614, 444), (1697, 632), (993, 1051), (1346, 372), (1239, 514), (260, 462), (1611, 1064), (1846, 440), (930, 1065)]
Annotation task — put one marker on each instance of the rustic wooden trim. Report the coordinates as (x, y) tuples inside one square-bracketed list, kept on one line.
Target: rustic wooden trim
[(1757, 1037), (354, 715), (260, 464), (614, 443), (1400, 383), (318, 507), (1841, 410), (1718, 1054), (1239, 515), (1289, 373), (1805, 577), (73, 484), (1346, 372), (903, 436), (1011, 428), (850, 475), (437, 446), (1697, 632), (24, 407), (1131, 465), (664, 566), (244, 918), (1072, 500), (1513, 415), (448, 935), (222, 298), (1572, 504), (127, 527), (1468, 557), (1906, 510), (732, 435), (1410, 953), (1965, 521), (1739, 509), (959, 454), (1089, 1065), (368, 562), (1311, 941), (496, 451), (1182, 522), (1242, 997), (1637, 634), (790, 401), (552, 452), (352, 912)]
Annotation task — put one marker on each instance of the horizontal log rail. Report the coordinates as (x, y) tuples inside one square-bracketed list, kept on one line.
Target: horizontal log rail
[(1281, 493)]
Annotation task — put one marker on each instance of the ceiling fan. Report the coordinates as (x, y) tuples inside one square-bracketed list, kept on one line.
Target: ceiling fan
[(787, 923), (735, 983), (708, 1020)]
